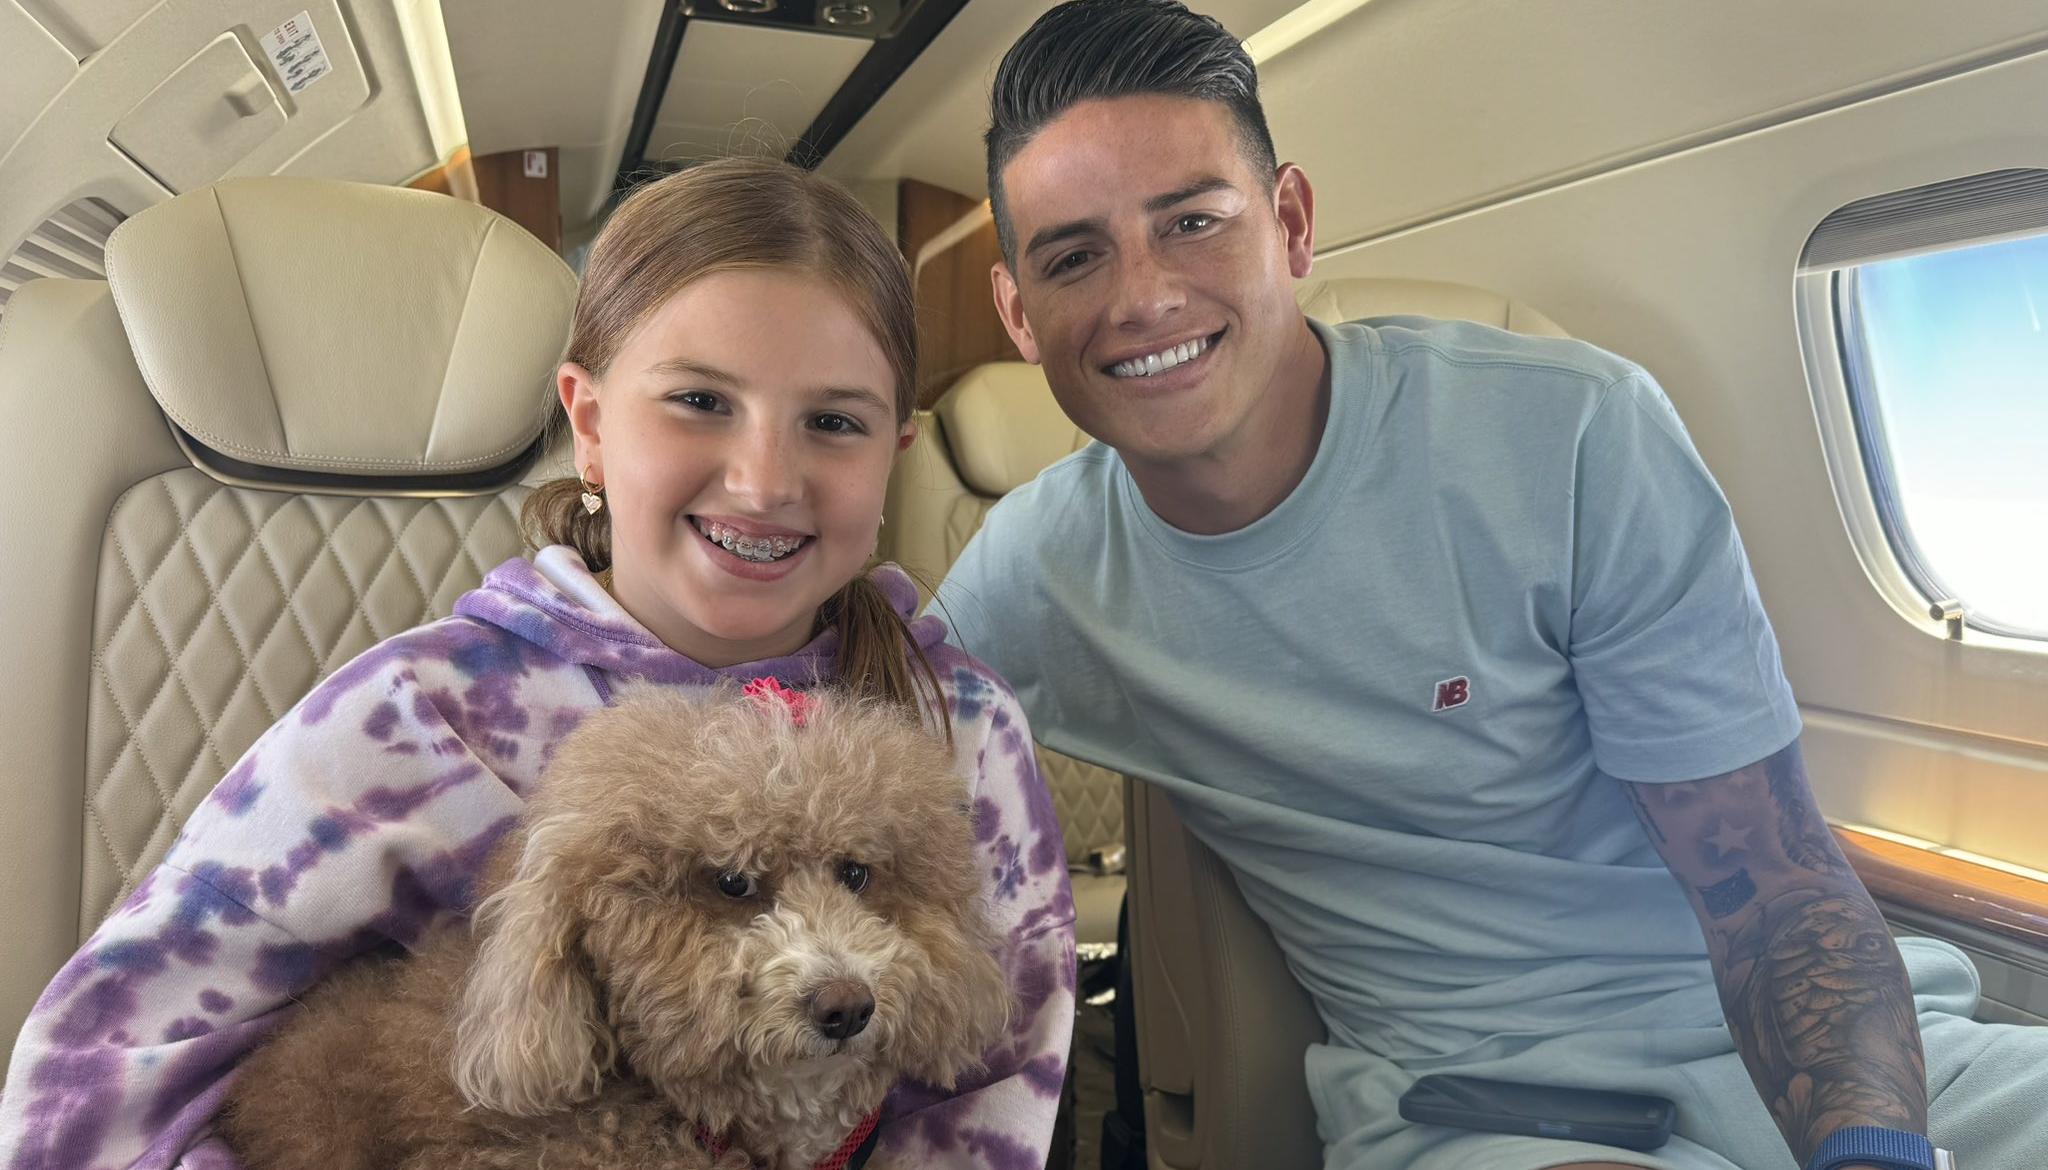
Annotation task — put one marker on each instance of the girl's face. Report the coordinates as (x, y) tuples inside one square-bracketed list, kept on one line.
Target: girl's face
[(743, 437)]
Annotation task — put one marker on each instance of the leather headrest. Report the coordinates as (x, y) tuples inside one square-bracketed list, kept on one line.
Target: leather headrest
[(1004, 427), (1355, 299), (319, 326)]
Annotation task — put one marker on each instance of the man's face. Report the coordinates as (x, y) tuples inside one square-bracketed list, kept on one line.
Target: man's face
[(1154, 272)]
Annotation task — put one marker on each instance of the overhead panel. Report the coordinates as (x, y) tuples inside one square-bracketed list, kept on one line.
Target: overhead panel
[(38, 66), (86, 26), (929, 124), (853, 18), (203, 119), (747, 89), (194, 91)]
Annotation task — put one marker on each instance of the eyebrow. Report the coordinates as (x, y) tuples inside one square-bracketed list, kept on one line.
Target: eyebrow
[(860, 394), (1198, 187), (1154, 205), (682, 365)]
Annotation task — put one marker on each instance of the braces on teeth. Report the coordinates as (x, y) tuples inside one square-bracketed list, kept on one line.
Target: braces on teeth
[(750, 548)]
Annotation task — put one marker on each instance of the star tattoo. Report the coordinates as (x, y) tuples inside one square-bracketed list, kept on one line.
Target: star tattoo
[(1728, 840)]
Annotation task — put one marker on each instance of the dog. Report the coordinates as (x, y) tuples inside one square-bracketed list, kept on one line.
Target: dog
[(723, 928)]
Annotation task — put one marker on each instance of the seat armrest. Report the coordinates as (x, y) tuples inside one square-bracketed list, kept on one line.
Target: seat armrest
[(1223, 1025)]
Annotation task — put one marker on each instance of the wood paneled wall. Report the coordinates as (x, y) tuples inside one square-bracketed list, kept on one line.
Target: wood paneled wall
[(500, 182), (534, 202), (956, 320), (456, 177)]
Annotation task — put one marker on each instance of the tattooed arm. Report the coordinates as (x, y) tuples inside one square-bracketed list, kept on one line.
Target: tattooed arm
[(1813, 987)]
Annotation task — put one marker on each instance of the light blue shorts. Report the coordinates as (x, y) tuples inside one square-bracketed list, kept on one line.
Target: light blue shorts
[(1987, 1086)]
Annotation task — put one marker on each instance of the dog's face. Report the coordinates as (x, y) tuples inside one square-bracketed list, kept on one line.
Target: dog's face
[(721, 896)]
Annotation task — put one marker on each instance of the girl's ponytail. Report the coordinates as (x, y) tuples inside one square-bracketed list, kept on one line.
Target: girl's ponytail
[(554, 514), (878, 655)]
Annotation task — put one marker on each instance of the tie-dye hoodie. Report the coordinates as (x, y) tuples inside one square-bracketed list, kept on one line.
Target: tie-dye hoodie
[(361, 820)]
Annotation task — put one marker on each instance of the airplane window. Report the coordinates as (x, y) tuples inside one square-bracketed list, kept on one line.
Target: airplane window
[(1947, 363)]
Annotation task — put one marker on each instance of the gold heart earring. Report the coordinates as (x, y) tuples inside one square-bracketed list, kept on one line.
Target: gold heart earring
[(593, 495)]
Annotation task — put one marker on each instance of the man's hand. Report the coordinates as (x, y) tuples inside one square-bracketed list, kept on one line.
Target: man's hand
[(1811, 982)]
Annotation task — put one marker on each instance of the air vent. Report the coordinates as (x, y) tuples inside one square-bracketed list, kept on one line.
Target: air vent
[(71, 243), (868, 19)]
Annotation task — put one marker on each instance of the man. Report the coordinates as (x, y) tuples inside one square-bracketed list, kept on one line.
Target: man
[(1444, 640)]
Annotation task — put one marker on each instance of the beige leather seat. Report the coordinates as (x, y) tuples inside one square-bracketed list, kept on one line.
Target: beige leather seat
[(291, 422), (1222, 1024), (992, 431)]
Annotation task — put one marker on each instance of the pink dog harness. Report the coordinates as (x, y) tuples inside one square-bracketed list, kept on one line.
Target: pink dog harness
[(838, 1159)]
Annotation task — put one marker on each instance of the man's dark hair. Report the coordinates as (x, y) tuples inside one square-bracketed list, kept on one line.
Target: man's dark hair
[(1090, 49)]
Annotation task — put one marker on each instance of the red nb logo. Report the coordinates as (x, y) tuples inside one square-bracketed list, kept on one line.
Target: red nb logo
[(1452, 692)]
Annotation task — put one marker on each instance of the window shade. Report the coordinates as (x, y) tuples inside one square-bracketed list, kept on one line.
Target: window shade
[(1976, 209)]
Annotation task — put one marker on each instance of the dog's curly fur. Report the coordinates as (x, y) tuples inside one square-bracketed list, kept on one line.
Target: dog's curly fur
[(610, 998)]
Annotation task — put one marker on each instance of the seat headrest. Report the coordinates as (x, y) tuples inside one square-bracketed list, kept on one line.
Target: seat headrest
[(1004, 427), (1336, 301), (309, 325)]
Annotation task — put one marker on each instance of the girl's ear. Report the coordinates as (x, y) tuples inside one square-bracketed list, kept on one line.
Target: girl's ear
[(577, 388), (906, 436), (528, 1035)]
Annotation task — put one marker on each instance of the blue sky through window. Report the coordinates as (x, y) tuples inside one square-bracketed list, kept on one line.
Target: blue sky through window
[(1958, 348)]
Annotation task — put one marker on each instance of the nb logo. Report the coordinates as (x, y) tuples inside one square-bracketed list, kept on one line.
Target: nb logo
[(1452, 692)]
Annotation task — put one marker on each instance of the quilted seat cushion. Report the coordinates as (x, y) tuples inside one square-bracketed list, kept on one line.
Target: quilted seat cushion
[(218, 608)]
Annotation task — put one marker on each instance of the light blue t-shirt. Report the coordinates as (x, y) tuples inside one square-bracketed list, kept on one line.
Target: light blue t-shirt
[(1398, 705)]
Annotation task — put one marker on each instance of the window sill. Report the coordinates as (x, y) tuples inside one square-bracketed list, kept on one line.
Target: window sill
[(2006, 904)]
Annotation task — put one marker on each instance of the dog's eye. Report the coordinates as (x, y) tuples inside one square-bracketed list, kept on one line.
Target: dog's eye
[(853, 875), (736, 885)]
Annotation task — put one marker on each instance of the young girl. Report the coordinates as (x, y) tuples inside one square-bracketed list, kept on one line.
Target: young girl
[(740, 378)]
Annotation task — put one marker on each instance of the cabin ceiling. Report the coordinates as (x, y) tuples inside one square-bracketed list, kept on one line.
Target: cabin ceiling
[(929, 125), (1402, 111)]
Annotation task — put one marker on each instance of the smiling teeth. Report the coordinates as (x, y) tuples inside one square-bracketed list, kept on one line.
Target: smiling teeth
[(1164, 360), (748, 548)]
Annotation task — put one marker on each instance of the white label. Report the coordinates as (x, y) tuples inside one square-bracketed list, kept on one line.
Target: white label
[(536, 164), (295, 50)]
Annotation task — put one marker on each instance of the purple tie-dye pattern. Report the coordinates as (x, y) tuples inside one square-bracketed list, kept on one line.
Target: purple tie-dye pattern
[(1008, 872), (361, 821), (185, 1028), (1001, 1151), (238, 790), (73, 1091), (971, 692), (199, 1069), (331, 830), (211, 1154), (988, 819), (381, 722)]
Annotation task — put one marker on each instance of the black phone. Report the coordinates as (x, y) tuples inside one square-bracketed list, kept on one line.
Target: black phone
[(1633, 1121)]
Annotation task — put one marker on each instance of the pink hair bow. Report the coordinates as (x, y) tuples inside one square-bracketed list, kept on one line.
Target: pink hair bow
[(769, 692)]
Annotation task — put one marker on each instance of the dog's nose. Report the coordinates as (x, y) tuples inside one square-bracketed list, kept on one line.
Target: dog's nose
[(842, 1009)]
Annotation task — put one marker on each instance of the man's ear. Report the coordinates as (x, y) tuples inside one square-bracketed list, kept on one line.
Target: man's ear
[(578, 391), (1010, 307), (1294, 204)]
